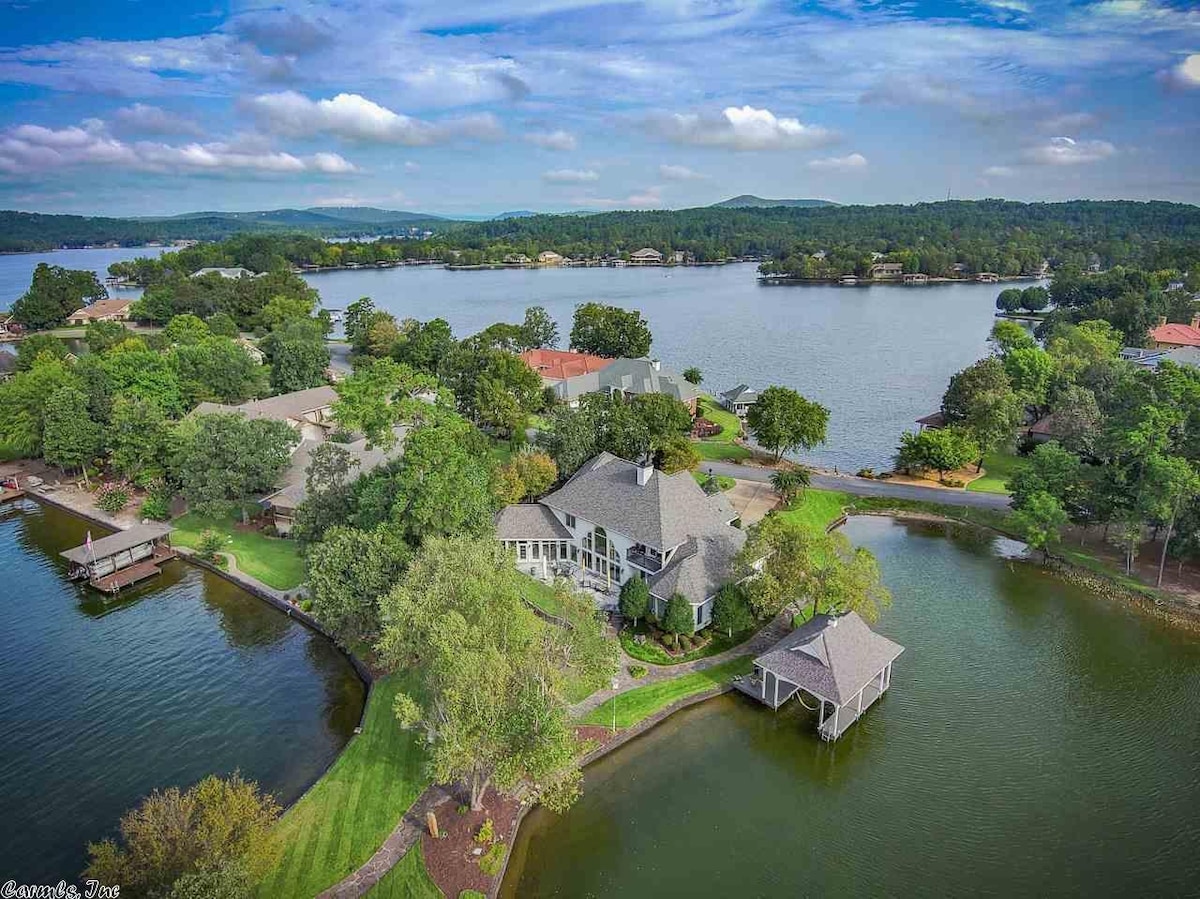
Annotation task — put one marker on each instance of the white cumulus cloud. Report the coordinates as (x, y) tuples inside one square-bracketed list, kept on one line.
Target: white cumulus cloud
[(355, 118), (146, 119), (1068, 151), (553, 140), (1186, 74), (28, 149), (998, 171), (743, 128), (854, 162), (570, 176)]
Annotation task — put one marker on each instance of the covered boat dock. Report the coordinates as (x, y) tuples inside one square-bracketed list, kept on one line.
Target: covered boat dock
[(121, 559), (836, 659)]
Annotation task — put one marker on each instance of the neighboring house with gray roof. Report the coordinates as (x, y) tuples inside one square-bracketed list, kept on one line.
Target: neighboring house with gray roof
[(292, 491), (632, 377), (308, 411), (614, 520), (232, 274), (739, 400)]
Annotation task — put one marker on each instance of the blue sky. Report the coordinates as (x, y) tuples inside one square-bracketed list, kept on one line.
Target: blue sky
[(133, 107)]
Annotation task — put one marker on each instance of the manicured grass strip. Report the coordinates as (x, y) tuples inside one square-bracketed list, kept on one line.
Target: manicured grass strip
[(274, 561), (817, 509), (643, 702), (542, 595), (407, 880), (720, 447), (998, 468), (347, 815)]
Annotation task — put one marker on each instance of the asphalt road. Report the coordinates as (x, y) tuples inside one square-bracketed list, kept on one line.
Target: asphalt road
[(867, 487)]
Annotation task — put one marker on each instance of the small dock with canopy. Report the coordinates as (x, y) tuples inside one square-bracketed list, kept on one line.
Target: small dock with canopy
[(121, 559), (836, 659)]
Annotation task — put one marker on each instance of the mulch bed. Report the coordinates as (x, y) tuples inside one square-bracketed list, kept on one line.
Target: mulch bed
[(450, 860), (595, 734), (702, 428)]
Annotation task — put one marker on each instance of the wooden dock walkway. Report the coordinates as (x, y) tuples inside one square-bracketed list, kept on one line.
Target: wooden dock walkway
[(125, 577)]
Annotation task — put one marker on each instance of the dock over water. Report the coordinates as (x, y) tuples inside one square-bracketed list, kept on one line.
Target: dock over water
[(122, 559)]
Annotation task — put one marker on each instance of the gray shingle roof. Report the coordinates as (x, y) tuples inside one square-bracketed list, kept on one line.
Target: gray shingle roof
[(831, 656), (529, 521), (700, 567), (115, 543), (663, 513), (637, 376), (280, 408), (740, 394), (292, 484)]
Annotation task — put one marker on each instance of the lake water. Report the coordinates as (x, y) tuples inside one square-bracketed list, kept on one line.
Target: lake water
[(183, 677), (879, 357), (1036, 741), (16, 269)]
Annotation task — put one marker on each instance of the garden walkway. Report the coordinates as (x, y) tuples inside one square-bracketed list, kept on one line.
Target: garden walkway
[(764, 639)]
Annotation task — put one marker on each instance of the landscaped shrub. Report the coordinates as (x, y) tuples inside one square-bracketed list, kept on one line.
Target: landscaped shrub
[(492, 861), (953, 482), (487, 832), (112, 498), (471, 894), (638, 671), (306, 605), (210, 544), (270, 531), (157, 508), (866, 473)]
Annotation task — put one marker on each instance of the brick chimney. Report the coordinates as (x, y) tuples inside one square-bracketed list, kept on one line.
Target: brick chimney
[(1162, 320)]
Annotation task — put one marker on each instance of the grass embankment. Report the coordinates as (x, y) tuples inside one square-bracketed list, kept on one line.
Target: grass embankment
[(407, 880), (639, 704), (340, 823), (653, 653), (273, 560), (998, 468), (817, 509), (544, 597), (720, 447)]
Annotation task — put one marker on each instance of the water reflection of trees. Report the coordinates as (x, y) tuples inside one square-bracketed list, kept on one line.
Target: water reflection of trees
[(246, 622), (344, 691)]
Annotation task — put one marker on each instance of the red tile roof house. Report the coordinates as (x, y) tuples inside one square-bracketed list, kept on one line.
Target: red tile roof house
[(559, 367), (1176, 335)]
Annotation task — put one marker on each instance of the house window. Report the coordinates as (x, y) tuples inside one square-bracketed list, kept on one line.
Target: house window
[(574, 553), (570, 520), (699, 615), (521, 551), (562, 550), (536, 547)]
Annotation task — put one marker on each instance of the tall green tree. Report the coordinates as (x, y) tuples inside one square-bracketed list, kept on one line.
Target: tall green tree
[(492, 681), (981, 399), (783, 421), (635, 599), (35, 346), (940, 450), (23, 399), (664, 416), (1040, 519), (298, 365), (678, 617), (348, 571), (731, 611), (378, 396), (138, 439), (221, 461), (610, 331), (55, 293), (70, 439), (539, 329)]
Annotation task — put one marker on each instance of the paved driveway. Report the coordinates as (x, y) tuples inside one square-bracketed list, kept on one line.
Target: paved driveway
[(752, 500), (867, 487)]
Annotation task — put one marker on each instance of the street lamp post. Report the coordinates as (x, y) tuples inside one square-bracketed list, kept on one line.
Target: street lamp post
[(616, 684)]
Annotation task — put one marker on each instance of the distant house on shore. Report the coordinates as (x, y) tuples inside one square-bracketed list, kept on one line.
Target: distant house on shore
[(1169, 335), (616, 520), (101, 311), (739, 400), (882, 271), (987, 277), (516, 259), (645, 256), (549, 257), (232, 274), (1182, 355), (308, 411), (8, 325)]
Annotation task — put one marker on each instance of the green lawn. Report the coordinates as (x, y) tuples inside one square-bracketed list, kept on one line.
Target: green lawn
[(338, 824), (643, 702), (998, 468), (723, 482), (407, 880), (719, 448), (542, 595), (817, 509), (274, 561)]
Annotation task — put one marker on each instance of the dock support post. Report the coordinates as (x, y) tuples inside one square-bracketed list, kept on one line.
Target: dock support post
[(776, 704)]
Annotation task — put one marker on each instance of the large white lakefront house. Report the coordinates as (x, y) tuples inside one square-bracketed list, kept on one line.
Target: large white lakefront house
[(615, 520)]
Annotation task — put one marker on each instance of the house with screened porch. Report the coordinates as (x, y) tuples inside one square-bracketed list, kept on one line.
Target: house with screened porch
[(614, 520)]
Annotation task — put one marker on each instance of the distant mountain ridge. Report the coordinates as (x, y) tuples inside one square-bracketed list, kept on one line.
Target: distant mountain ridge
[(746, 201), (315, 215)]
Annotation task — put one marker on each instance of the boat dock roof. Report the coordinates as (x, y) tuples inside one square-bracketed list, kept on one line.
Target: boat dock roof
[(118, 542)]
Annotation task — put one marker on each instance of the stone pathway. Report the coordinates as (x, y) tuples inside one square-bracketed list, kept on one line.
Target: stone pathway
[(765, 638), (394, 848)]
